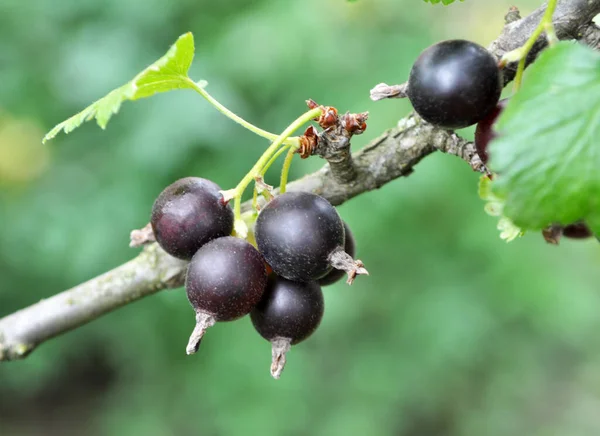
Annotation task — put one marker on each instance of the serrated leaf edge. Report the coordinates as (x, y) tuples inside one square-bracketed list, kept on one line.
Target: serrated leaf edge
[(494, 207), (125, 92)]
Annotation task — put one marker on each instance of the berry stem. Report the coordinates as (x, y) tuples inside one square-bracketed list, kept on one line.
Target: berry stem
[(279, 347), (274, 158), (257, 130), (522, 52), (266, 156), (285, 170), (255, 199), (237, 207)]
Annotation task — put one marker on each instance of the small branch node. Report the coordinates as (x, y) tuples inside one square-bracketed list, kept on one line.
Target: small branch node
[(308, 142), (329, 114), (512, 15), (355, 124), (263, 188)]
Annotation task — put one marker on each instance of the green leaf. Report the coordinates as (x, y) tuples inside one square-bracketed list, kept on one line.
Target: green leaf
[(168, 73), (446, 2), (495, 207), (548, 149)]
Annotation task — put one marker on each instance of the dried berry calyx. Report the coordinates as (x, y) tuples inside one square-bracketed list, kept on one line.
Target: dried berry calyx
[(288, 313), (226, 278), (300, 234)]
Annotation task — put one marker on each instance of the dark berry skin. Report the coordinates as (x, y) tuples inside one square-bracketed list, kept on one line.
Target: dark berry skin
[(188, 214), (296, 232), (336, 274), (454, 84), (288, 309), (485, 132), (226, 278), (577, 230)]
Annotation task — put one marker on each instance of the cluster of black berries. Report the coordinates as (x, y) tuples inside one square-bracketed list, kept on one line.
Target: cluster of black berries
[(299, 237), (456, 84)]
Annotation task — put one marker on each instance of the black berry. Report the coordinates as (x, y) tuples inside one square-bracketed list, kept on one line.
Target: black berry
[(288, 313), (578, 230), (349, 247), (454, 84), (485, 132), (225, 280), (188, 214), (296, 232)]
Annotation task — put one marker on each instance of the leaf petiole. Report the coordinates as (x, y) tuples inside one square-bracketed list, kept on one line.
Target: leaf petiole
[(521, 53), (254, 129), (285, 170)]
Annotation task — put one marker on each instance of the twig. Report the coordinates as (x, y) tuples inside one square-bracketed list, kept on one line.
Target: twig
[(388, 157), (571, 21), (333, 144), (392, 155), (148, 273)]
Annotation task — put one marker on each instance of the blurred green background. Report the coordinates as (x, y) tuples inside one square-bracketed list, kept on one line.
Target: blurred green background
[(454, 333)]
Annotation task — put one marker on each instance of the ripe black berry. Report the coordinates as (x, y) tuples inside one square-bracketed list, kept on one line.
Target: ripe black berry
[(578, 230), (188, 214), (301, 237), (225, 280), (454, 84), (485, 132), (288, 313), (296, 232), (336, 274)]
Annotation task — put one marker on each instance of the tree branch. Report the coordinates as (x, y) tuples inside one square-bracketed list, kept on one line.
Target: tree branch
[(392, 155), (590, 35), (388, 157), (572, 20), (148, 273)]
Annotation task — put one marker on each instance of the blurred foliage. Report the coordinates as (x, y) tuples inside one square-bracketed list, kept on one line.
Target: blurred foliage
[(454, 333), (444, 2)]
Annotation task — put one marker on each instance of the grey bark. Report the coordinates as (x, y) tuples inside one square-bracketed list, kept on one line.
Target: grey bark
[(151, 271), (388, 157), (572, 20)]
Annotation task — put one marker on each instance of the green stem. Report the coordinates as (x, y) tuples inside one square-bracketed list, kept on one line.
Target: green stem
[(273, 159), (255, 198), (237, 207), (266, 156), (285, 170), (257, 130), (545, 25)]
